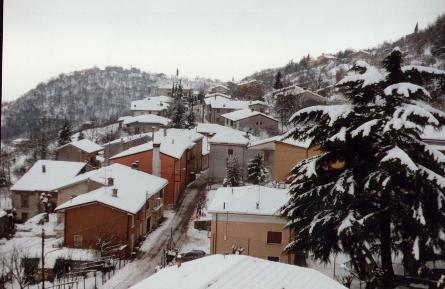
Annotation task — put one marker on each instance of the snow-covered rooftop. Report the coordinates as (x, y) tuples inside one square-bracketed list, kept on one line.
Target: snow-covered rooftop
[(221, 86), (56, 175), (243, 200), (237, 271), (222, 102), (282, 138), (152, 103), (219, 94), (148, 118), (174, 144), (245, 113), (289, 90), (122, 118), (229, 137), (128, 138), (430, 133), (85, 145), (213, 128), (133, 187)]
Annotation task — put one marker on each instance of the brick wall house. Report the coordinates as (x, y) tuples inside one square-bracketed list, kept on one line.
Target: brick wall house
[(120, 213)]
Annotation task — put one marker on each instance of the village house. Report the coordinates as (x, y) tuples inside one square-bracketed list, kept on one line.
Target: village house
[(145, 123), (157, 105), (360, 55), (302, 97), (237, 271), (210, 129), (225, 145), (245, 220), (121, 119), (175, 153), (121, 144), (166, 90), (116, 215), (219, 89), (218, 94), (44, 177), (251, 120), (83, 150), (219, 105), (281, 154)]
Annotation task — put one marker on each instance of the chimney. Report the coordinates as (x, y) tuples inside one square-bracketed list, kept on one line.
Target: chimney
[(110, 181), (135, 165), (165, 131), (43, 168), (156, 159), (153, 133), (178, 260), (114, 192)]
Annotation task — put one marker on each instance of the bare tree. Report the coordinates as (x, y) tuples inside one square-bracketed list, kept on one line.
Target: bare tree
[(13, 265), (106, 239)]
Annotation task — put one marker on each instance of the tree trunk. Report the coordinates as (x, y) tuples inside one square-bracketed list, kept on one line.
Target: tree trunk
[(387, 278)]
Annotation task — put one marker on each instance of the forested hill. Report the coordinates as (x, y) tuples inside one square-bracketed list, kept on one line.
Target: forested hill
[(91, 94), (320, 73)]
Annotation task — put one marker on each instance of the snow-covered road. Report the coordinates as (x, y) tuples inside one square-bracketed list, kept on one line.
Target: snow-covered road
[(145, 265)]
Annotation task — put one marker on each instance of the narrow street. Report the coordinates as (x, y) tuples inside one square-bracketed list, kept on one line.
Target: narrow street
[(145, 265)]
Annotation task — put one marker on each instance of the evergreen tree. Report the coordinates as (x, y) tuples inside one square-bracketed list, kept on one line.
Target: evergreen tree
[(278, 84), (233, 173), (257, 173), (65, 133), (386, 192), (177, 110), (190, 118)]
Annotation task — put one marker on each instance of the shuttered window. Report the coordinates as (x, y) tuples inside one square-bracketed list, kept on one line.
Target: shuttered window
[(273, 237)]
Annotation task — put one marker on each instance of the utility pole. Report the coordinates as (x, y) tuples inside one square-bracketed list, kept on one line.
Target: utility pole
[(43, 258), (145, 213)]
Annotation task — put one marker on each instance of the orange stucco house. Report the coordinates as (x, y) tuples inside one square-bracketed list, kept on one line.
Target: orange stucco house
[(245, 221), (174, 155)]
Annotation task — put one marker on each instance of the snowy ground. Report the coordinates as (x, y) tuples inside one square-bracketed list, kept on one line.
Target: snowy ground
[(28, 239)]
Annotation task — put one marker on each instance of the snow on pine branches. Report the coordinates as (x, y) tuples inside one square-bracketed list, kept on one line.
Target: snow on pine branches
[(257, 173), (377, 188)]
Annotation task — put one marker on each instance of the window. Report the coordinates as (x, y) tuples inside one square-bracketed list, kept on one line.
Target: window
[(273, 258), (24, 200), (78, 241), (230, 152), (137, 130), (273, 237), (24, 216)]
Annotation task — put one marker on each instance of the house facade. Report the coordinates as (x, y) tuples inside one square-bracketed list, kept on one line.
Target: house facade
[(252, 121), (223, 146), (116, 215), (79, 151), (44, 177), (121, 144), (145, 123), (287, 154), (245, 221), (156, 105), (177, 159)]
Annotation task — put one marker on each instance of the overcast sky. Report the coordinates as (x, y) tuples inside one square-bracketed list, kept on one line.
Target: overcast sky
[(217, 39)]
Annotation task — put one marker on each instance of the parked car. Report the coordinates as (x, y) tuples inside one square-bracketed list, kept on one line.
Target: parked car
[(192, 255)]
